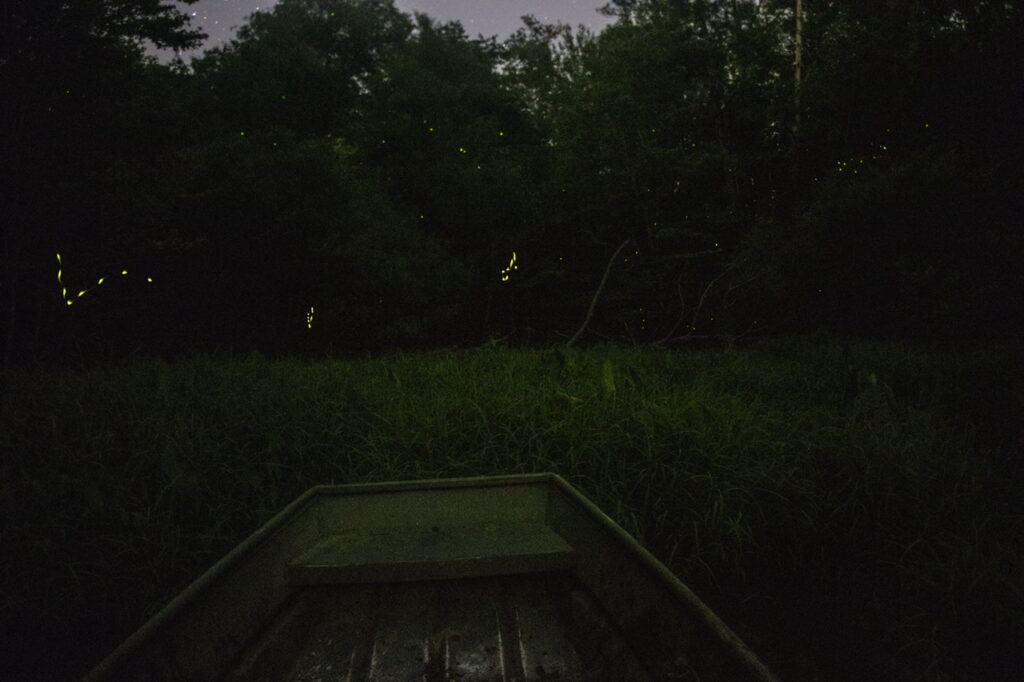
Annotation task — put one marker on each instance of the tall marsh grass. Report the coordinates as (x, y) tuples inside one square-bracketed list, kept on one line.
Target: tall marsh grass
[(850, 508)]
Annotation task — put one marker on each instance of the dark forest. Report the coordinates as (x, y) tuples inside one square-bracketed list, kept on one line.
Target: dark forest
[(344, 178)]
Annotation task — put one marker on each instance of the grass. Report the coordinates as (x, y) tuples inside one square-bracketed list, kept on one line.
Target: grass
[(851, 508)]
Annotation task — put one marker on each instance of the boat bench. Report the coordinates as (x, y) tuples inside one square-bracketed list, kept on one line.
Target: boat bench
[(390, 554)]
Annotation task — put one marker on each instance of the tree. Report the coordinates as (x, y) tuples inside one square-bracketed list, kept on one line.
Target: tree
[(457, 153), (661, 133), (303, 66), (415, 209), (902, 198)]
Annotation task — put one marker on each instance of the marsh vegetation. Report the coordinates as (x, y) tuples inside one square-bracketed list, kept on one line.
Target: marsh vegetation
[(850, 508)]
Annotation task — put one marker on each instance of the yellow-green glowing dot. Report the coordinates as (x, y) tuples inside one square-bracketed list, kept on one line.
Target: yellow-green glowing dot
[(501, 133), (462, 149), (242, 133), (99, 281), (124, 272), (149, 279)]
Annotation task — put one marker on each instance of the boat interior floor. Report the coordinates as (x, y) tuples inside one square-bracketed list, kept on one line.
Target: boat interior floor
[(525, 627)]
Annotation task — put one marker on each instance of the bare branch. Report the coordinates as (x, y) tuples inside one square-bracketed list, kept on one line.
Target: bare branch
[(690, 336), (703, 296), (593, 302), (682, 312)]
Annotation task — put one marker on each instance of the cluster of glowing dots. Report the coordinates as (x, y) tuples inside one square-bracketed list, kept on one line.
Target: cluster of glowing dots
[(64, 291), (843, 165), (462, 150), (309, 318), (511, 266)]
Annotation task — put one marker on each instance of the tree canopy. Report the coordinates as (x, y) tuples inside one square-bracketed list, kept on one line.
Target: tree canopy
[(413, 186)]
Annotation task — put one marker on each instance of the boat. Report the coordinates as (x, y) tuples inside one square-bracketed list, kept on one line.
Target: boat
[(506, 578)]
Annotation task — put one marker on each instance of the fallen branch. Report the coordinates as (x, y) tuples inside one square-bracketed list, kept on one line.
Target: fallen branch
[(727, 338)]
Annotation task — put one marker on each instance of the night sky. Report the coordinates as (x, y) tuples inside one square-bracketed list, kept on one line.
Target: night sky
[(221, 18)]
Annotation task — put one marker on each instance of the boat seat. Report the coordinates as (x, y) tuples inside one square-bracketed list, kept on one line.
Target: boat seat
[(396, 554)]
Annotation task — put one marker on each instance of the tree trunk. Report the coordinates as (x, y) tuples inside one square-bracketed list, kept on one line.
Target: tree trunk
[(798, 61), (11, 316)]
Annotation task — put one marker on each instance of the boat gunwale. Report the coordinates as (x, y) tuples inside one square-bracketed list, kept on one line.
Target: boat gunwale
[(630, 545)]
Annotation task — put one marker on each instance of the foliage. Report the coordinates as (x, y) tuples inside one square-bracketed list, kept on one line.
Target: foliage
[(302, 66), (906, 248), (73, 78), (346, 132)]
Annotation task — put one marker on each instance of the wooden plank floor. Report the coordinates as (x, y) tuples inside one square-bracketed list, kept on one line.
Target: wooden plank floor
[(523, 628)]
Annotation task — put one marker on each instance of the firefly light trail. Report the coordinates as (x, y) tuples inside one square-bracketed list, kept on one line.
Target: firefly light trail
[(64, 290)]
